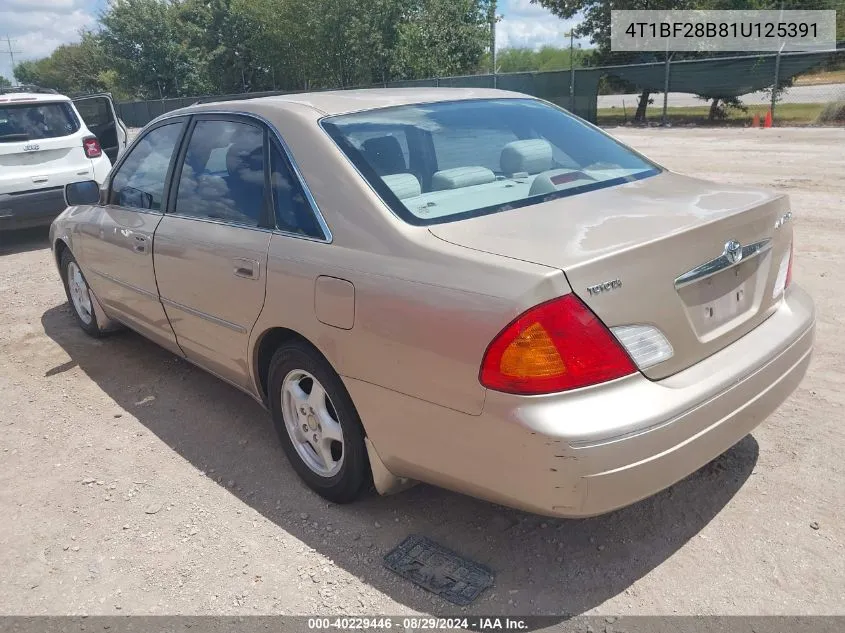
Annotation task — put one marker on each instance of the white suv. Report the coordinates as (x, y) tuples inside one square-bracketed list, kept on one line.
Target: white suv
[(47, 141)]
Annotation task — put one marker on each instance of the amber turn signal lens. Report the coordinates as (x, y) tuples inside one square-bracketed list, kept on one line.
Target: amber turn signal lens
[(532, 354)]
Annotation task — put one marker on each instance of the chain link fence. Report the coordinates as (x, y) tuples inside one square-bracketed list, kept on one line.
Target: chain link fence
[(788, 89)]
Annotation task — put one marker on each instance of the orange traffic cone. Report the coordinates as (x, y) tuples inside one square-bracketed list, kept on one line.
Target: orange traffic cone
[(755, 121), (768, 121)]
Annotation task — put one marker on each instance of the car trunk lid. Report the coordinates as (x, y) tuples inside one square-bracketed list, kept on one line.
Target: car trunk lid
[(653, 252)]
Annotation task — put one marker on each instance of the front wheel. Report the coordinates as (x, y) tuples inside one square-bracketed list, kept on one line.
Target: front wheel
[(79, 295), (317, 423)]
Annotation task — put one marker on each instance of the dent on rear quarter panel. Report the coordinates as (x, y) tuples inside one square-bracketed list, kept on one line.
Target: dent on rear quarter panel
[(425, 310)]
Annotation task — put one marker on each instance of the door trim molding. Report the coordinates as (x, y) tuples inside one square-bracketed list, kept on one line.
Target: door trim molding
[(124, 284), (204, 315)]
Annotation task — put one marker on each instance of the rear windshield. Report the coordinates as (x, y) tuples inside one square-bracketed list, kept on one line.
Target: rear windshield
[(446, 161), (28, 122)]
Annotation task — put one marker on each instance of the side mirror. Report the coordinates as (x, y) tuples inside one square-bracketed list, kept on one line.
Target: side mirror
[(135, 198), (87, 192)]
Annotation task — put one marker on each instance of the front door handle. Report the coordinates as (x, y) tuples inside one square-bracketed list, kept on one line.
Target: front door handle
[(140, 244), (247, 268)]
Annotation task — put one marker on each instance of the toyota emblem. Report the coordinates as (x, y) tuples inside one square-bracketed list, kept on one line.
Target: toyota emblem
[(733, 251)]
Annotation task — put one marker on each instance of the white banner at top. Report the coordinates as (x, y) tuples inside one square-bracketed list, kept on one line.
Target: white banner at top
[(750, 31)]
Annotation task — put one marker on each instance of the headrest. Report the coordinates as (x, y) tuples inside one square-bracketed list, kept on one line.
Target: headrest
[(530, 156), (385, 155), (403, 185), (461, 177), (242, 156)]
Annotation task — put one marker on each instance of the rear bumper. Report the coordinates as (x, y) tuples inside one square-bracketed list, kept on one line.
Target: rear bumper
[(593, 450), (30, 208)]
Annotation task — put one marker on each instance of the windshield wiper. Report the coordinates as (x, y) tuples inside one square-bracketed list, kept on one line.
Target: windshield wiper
[(9, 138)]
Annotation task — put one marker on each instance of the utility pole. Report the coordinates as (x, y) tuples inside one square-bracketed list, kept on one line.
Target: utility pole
[(572, 70), (11, 54), (492, 18)]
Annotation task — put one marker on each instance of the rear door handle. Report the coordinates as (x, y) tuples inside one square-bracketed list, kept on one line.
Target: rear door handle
[(247, 268), (140, 244)]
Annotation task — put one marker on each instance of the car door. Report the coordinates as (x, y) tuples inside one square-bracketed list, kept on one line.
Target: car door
[(100, 116), (118, 247), (211, 246)]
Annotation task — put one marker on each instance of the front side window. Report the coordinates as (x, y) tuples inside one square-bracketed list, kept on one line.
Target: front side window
[(30, 122), (489, 155), (223, 174), (95, 111), (139, 182)]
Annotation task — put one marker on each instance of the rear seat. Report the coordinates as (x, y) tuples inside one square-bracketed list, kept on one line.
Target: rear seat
[(403, 185), (530, 156)]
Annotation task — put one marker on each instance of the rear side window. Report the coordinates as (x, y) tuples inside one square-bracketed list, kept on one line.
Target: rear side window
[(293, 212), (223, 173), (29, 122), (139, 182)]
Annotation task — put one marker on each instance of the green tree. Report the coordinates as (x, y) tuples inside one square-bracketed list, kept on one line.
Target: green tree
[(300, 44), (547, 58), (145, 42), (72, 69), (220, 41), (442, 37), (4, 83), (596, 26), (166, 48)]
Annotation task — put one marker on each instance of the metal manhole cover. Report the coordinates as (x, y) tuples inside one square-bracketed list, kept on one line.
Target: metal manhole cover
[(439, 570)]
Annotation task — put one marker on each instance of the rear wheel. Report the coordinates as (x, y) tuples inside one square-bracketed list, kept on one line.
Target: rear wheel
[(79, 295), (317, 423)]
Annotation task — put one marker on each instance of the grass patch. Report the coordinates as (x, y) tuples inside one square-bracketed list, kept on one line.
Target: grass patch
[(833, 114), (787, 114), (818, 79)]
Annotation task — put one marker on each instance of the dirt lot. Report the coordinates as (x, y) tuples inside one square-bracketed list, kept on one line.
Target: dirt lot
[(131, 482)]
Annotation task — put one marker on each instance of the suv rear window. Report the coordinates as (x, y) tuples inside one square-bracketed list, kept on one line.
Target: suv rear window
[(27, 122), (441, 162)]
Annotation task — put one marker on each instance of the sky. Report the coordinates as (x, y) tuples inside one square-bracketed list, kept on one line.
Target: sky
[(37, 27)]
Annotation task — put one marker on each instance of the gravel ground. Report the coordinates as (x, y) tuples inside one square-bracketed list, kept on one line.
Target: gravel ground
[(133, 483)]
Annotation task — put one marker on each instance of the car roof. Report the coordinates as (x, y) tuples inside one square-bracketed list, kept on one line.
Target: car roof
[(31, 97), (333, 102)]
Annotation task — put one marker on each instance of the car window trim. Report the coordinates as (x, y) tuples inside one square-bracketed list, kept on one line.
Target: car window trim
[(171, 165), (288, 155), (266, 213)]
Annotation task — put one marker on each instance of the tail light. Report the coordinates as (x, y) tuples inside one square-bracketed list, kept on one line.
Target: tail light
[(555, 346), (789, 267), (784, 277), (92, 147)]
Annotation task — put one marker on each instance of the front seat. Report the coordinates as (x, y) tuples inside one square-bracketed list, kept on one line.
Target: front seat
[(384, 153)]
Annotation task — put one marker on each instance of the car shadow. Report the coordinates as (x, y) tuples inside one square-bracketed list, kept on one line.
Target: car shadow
[(24, 240), (542, 566)]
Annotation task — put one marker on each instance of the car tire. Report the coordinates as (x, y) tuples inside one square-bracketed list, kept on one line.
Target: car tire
[(322, 436), (79, 295)]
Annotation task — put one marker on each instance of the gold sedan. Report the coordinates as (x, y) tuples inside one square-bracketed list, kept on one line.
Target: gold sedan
[(470, 288)]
